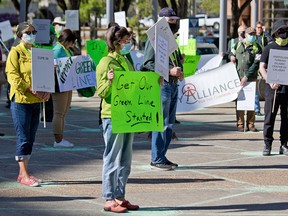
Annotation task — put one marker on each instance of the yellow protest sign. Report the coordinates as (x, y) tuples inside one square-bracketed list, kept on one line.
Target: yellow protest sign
[(190, 49), (136, 102)]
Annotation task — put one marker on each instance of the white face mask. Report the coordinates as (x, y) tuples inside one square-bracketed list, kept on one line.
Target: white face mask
[(30, 39), (60, 29)]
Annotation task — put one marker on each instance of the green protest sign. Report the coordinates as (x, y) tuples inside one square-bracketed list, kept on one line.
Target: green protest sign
[(136, 102), (190, 64), (96, 49), (189, 49)]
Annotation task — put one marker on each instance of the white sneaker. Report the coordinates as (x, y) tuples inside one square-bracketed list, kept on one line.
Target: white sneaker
[(63, 143)]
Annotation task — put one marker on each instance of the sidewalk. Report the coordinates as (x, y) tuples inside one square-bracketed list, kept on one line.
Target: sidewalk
[(221, 171)]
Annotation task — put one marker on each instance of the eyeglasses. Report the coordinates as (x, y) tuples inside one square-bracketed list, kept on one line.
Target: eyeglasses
[(30, 32)]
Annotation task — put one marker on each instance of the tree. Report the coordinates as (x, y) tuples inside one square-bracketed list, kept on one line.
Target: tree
[(121, 5), (211, 7), (236, 13)]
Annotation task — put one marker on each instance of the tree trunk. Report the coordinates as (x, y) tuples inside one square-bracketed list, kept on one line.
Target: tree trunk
[(162, 3), (17, 5), (62, 5)]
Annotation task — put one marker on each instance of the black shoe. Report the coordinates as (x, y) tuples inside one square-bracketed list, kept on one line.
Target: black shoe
[(2, 134), (266, 151), (283, 150), (252, 129), (161, 166), (177, 122), (171, 163)]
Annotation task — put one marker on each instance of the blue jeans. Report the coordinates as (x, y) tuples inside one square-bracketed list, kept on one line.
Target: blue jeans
[(257, 102), (161, 140), (26, 121), (117, 159)]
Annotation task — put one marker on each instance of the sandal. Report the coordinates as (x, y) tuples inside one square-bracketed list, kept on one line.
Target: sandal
[(31, 182), (114, 207)]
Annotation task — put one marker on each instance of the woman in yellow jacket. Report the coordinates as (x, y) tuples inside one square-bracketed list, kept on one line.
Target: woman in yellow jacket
[(25, 103)]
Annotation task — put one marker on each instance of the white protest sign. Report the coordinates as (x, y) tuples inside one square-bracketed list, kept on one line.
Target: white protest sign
[(184, 32), (163, 27), (161, 55), (42, 27), (72, 19), (138, 58), (217, 86), (6, 30), (277, 67), (43, 78), (210, 64), (120, 18), (75, 72), (246, 97)]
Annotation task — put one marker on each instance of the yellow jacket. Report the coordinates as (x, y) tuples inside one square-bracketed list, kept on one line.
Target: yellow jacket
[(19, 75)]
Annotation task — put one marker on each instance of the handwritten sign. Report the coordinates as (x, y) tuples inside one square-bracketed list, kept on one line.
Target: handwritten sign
[(43, 70), (136, 102), (277, 67), (163, 27), (161, 55), (72, 19), (42, 27), (189, 49), (246, 97), (96, 49), (6, 30), (184, 32), (75, 72), (190, 64), (120, 18)]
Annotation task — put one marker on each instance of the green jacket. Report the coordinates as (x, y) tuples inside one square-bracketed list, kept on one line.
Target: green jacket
[(19, 75), (104, 87), (247, 59)]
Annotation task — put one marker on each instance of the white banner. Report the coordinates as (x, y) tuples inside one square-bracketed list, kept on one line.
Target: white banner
[(246, 97), (75, 72), (43, 70), (210, 64), (217, 86)]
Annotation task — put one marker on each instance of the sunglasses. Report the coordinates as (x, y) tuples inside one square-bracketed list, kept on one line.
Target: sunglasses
[(30, 32)]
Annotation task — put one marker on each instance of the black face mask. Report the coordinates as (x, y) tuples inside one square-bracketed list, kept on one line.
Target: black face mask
[(242, 34), (174, 27), (283, 35)]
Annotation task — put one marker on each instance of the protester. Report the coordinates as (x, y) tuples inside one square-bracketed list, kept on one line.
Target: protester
[(133, 41), (263, 39), (169, 93), (241, 35), (246, 55), (117, 157), (280, 33), (62, 100), (59, 26), (25, 103)]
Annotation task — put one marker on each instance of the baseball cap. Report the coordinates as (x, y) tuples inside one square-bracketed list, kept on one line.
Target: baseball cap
[(250, 30), (58, 20), (279, 24), (168, 12)]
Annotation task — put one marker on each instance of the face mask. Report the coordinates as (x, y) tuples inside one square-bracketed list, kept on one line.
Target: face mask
[(30, 39), (283, 35), (60, 29), (174, 27), (126, 49), (281, 42), (251, 38)]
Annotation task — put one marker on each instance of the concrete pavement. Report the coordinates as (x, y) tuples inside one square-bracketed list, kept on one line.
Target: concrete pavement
[(221, 171)]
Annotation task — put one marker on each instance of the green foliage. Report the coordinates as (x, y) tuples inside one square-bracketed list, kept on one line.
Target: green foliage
[(211, 6), (91, 6)]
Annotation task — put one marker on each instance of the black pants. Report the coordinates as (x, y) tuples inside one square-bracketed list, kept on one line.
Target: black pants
[(270, 116)]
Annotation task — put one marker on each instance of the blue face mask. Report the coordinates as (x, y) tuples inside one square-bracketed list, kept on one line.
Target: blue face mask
[(251, 38), (126, 49), (30, 39)]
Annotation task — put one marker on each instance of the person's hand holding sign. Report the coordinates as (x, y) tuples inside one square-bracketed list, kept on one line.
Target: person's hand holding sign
[(110, 75), (274, 85)]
